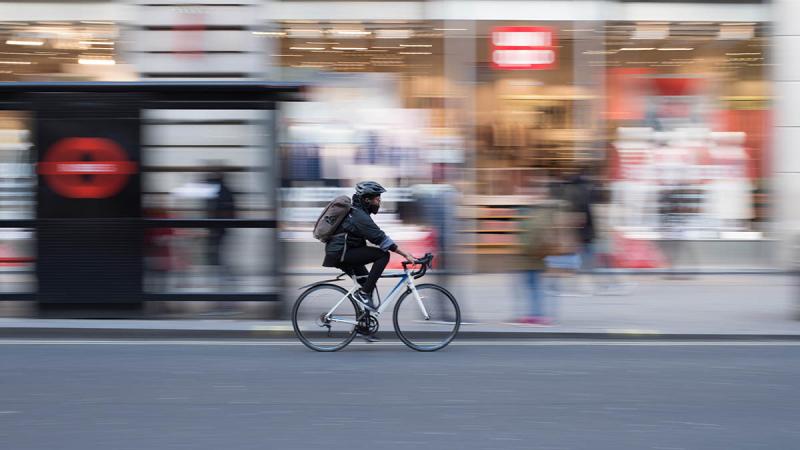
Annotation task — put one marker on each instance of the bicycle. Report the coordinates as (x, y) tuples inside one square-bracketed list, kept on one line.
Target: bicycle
[(426, 318)]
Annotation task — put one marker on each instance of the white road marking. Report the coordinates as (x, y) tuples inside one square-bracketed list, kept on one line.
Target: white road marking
[(463, 343)]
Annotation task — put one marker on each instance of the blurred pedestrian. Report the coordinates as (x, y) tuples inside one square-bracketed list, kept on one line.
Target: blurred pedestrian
[(221, 204), (539, 241), (579, 192), (575, 225)]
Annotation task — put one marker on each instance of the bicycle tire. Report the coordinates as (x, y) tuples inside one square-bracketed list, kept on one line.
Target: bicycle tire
[(306, 337), (406, 336)]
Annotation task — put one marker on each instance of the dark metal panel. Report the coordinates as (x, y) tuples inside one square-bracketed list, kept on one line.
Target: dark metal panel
[(21, 223), (21, 297), (212, 297), (200, 88), (210, 223)]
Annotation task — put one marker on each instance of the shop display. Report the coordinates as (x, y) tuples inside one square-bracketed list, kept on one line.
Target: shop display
[(682, 181)]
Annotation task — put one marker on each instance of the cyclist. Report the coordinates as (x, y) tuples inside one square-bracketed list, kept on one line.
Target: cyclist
[(348, 250)]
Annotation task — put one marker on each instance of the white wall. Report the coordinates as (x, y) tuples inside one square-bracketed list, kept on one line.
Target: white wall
[(786, 159), (270, 10), (512, 10)]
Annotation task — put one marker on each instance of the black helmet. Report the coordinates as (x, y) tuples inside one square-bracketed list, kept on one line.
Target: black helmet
[(369, 189)]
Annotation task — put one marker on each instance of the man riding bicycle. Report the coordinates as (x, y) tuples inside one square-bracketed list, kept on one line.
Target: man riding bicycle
[(348, 250)]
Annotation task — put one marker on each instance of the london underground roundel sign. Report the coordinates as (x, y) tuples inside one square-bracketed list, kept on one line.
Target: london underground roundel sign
[(86, 167)]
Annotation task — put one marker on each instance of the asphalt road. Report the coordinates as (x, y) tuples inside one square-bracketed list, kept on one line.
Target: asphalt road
[(475, 395)]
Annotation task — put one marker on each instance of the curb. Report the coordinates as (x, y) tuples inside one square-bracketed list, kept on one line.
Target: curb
[(283, 333)]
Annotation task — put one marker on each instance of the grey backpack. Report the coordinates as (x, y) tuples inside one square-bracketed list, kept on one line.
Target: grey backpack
[(332, 216)]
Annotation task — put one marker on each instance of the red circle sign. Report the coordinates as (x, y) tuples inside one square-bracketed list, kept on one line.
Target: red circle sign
[(70, 175)]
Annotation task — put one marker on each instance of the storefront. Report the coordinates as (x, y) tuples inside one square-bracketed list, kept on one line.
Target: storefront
[(671, 118), (671, 112)]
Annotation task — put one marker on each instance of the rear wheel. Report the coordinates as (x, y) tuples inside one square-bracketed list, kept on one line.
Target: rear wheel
[(428, 326), (318, 325)]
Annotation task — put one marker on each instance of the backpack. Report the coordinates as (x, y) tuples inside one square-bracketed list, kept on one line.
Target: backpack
[(332, 216), (549, 231), (538, 236)]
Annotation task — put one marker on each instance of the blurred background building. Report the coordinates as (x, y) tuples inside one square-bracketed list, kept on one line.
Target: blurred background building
[(473, 106)]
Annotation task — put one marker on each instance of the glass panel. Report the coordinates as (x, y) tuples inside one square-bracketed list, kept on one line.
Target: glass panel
[(17, 201), (208, 164), (202, 260)]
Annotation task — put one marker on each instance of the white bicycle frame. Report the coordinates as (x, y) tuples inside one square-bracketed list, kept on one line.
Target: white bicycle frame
[(405, 279)]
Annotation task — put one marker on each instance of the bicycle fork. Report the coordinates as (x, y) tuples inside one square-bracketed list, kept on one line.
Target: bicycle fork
[(419, 299)]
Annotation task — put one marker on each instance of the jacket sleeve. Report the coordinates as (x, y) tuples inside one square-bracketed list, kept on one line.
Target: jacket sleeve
[(371, 232)]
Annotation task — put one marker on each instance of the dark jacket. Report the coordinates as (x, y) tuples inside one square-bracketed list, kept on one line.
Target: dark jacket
[(578, 193), (354, 232), (221, 206)]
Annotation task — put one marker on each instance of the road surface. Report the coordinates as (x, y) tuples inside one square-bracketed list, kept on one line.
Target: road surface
[(474, 395)]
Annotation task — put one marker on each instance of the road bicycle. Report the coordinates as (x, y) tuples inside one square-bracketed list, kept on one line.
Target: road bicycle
[(326, 317)]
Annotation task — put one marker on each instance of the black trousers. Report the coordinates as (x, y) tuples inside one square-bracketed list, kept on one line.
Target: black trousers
[(355, 260)]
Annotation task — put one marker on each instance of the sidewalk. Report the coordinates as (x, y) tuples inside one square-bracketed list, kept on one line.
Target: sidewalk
[(708, 306)]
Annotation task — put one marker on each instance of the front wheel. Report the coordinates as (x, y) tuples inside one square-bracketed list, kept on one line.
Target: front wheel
[(429, 323)]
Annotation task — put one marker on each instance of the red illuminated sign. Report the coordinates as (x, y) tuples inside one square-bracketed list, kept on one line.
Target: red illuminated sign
[(523, 48), (86, 167)]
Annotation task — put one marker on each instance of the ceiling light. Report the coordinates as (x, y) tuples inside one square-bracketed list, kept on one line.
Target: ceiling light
[(96, 43), (417, 45), (675, 49), (26, 42), (306, 48), (415, 53), (18, 63), (304, 32), (393, 34), (269, 33), (449, 29), (349, 48), (636, 49), (600, 52), (97, 62), (350, 32)]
